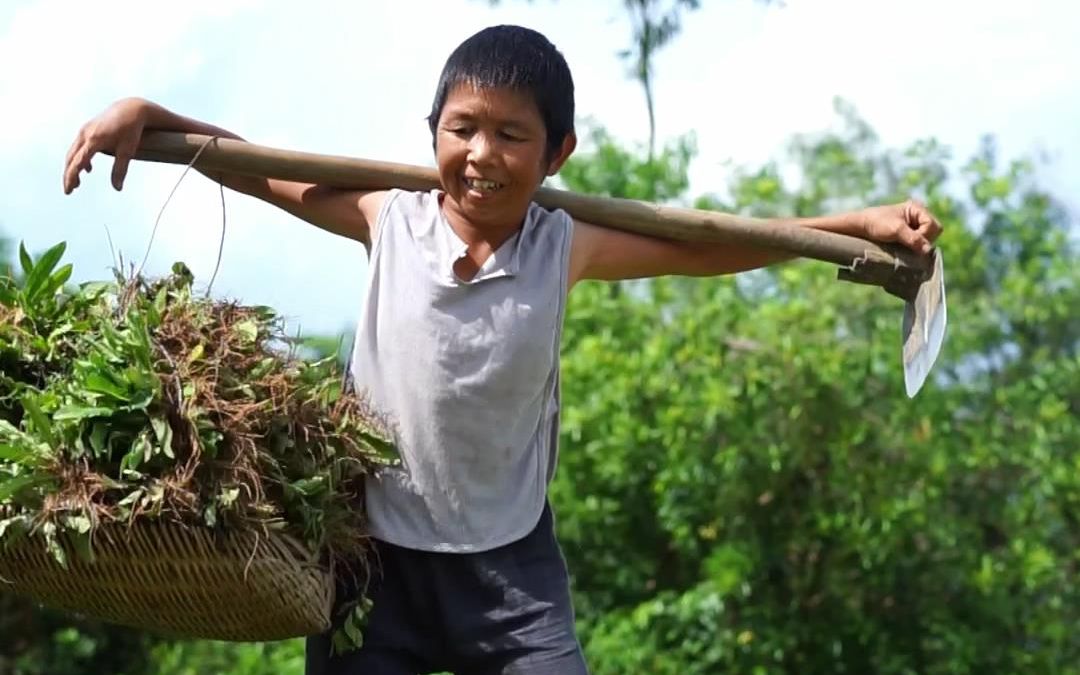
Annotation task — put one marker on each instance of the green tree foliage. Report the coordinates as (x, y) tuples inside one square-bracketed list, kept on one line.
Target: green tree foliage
[(197, 658), (611, 170), (743, 486), (39, 642)]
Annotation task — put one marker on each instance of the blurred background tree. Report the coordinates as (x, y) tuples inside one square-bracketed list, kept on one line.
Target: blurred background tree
[(743, 485)]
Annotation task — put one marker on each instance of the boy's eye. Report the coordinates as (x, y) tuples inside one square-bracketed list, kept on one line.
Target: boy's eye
[(510, 136)]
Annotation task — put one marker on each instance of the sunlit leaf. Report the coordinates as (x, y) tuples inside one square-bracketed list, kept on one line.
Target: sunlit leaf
[(25, 261), (77, 412), (248, 330), (97, 382), (37, 278), (41, 422)]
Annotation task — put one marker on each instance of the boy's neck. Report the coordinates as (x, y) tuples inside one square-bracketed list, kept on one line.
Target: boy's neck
[(480, 239)]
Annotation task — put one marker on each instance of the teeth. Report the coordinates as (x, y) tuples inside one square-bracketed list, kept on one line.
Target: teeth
[(482, 185)]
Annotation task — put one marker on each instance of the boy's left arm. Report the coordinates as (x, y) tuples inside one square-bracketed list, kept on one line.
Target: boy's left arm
[(605, 253)]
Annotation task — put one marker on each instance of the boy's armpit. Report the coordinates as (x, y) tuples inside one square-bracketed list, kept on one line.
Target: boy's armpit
[(347, 213), (607, 254)]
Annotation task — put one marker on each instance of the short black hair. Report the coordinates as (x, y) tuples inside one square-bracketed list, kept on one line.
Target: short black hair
[(517, 58)]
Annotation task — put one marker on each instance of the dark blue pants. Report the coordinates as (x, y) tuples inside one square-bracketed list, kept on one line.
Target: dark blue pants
[(496, 612)]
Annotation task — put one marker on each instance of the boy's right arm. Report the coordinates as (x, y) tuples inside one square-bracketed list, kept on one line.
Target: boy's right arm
[(118, 130)]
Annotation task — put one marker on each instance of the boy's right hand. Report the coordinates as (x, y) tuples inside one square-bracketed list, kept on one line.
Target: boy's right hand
[(117, 131)]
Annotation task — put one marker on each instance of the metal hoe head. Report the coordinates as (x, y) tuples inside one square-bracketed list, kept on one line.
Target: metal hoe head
[(925, 316), (923, 328)]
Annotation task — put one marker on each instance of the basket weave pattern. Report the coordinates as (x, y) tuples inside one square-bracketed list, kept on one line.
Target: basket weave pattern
[(184, 582)]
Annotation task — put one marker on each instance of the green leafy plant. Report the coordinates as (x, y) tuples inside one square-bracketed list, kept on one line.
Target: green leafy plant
[(133, 399)]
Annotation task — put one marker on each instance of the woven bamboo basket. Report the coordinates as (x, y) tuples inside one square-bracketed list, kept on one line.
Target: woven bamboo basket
[(182, 582)]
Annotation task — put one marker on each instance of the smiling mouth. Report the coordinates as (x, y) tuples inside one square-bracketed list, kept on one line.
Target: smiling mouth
[(482, 186)]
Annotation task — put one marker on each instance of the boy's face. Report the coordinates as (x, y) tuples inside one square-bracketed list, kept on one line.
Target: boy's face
[(491, 150)]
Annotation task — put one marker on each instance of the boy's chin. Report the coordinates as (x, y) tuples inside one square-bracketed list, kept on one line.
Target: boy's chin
[(493, 210)]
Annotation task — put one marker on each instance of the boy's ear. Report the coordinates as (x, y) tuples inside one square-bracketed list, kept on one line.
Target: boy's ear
[(565, 150)]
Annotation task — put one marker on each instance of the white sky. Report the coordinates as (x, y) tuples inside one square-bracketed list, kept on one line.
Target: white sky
[(356, 77)]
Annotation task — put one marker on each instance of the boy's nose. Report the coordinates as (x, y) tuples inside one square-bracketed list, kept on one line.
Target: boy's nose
[(480, 147)]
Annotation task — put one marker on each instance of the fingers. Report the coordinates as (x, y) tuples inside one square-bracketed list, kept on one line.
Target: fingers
[(930, 229), (915, 240), (910, 224), (71, 173), (920, 218), (78, 158), (72, 168), (88, 143), (79, 138), (116, 132), (922, 224), (79, 163), (121, 158)]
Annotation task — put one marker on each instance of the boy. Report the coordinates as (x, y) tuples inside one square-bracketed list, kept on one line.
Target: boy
[(458, 341)]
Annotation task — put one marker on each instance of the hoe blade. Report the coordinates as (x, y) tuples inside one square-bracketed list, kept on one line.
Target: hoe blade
[(923, 328)]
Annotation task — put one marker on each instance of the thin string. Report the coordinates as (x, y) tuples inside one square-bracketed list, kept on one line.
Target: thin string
[(157, 221)]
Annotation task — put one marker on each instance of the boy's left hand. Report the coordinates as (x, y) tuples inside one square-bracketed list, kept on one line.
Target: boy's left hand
[(909, 223)]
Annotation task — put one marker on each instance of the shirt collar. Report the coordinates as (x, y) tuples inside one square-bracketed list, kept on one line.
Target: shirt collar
[(504, 262)]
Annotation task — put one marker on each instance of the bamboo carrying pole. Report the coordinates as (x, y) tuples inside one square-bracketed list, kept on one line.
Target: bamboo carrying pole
[(241, 157)]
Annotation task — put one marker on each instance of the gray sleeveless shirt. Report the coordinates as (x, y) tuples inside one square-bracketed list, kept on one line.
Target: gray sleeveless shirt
[(466, 372)]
